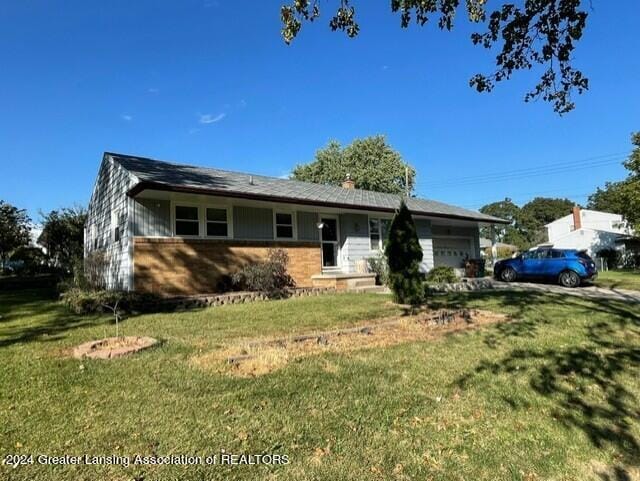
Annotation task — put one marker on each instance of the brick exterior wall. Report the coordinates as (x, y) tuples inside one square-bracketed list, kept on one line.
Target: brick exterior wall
[(174, 266)]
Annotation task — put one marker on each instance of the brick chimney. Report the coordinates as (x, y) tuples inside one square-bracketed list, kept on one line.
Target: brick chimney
[(347, 183), (577, 218)]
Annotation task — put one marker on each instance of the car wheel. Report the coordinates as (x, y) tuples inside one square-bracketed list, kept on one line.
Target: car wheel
[(508, 274), (569, 279)]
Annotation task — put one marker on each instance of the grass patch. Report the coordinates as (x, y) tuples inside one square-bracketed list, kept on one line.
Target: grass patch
[(554, 395), (619, 279)]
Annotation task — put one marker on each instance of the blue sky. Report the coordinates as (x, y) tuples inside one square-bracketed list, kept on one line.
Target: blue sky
[(202, 82)]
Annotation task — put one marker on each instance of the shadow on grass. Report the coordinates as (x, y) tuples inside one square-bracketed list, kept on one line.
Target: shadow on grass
[(519, 304), (54, 323), (588, 380), (617, 473)]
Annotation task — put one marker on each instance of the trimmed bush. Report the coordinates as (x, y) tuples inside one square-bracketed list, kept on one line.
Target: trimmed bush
[(379, 266), (404, 256), (441, 275), (269, 276), (87, 301)]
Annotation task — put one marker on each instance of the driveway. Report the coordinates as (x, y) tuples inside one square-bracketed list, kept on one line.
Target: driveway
[(586, 292)]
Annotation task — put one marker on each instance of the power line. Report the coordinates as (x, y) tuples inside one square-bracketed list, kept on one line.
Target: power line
[(536, 168), (506, 177), (526, 172), (526, 196)]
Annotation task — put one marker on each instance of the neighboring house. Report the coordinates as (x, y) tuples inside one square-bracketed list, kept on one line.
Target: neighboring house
[(178, 229), (588, 230)]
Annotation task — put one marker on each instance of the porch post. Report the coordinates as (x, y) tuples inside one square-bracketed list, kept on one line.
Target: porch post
[(494, 247)]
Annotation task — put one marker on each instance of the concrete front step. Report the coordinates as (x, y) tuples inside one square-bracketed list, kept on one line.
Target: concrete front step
[(368, 282), (343, 281), (371, 289)]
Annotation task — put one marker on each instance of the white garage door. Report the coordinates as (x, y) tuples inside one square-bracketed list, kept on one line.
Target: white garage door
[(451, 252)]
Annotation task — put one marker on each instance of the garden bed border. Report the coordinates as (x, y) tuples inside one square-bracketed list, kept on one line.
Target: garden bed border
[(243, 297)]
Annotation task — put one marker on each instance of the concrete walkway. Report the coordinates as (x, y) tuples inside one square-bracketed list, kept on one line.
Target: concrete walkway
[(586, 292)]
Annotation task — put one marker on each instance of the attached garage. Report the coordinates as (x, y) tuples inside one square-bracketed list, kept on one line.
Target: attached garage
[(451, 251)]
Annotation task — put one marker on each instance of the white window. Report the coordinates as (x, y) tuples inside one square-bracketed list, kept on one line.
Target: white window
[(284, 225), (115, 225), (378, 232), (187, 221), (217, 222)]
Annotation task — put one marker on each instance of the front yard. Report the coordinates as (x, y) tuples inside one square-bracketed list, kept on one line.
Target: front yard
[(551, 395), (619, 279)]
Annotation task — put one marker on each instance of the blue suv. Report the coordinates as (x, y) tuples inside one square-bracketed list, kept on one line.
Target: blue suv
[(568, 267)]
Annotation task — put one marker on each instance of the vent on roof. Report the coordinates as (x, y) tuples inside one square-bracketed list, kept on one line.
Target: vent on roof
[(251, 180)]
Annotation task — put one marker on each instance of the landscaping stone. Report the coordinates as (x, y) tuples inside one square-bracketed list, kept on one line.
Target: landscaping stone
[(215, 300), (465, 285)]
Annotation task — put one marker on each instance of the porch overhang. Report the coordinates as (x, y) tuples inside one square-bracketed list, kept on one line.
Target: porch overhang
[(159, 186)]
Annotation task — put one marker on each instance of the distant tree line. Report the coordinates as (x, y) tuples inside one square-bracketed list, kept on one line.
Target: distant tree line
[(622, 197), (58, 249), (526, 223)]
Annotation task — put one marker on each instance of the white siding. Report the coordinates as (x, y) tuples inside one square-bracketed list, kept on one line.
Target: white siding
[(355, 243), (252, 223), (560, 227), (427, 255), (593, 219), (354, 240), (589, 219), (308, 226), (590, 240), (423, 228), (151, 218), (109, 206)]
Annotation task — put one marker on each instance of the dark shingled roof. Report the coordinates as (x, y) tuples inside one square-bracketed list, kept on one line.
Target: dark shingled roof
[(155, 174)]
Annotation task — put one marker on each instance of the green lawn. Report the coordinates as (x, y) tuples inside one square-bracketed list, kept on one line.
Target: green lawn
[(620, 279), (553, 395)]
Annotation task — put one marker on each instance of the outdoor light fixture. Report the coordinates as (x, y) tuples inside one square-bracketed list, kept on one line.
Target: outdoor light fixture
[(321, 225)]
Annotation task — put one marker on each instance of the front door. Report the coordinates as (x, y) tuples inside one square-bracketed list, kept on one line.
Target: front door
[(329, 240)]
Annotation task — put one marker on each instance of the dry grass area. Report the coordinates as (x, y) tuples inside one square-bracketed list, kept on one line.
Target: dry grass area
[(112, 347), (259, 356)]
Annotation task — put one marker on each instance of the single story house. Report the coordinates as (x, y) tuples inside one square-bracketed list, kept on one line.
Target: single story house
[(177, 229), (589, 230)]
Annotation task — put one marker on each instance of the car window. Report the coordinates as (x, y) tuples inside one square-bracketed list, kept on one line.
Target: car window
[(584, 255), (542, 254), (556, 254)]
